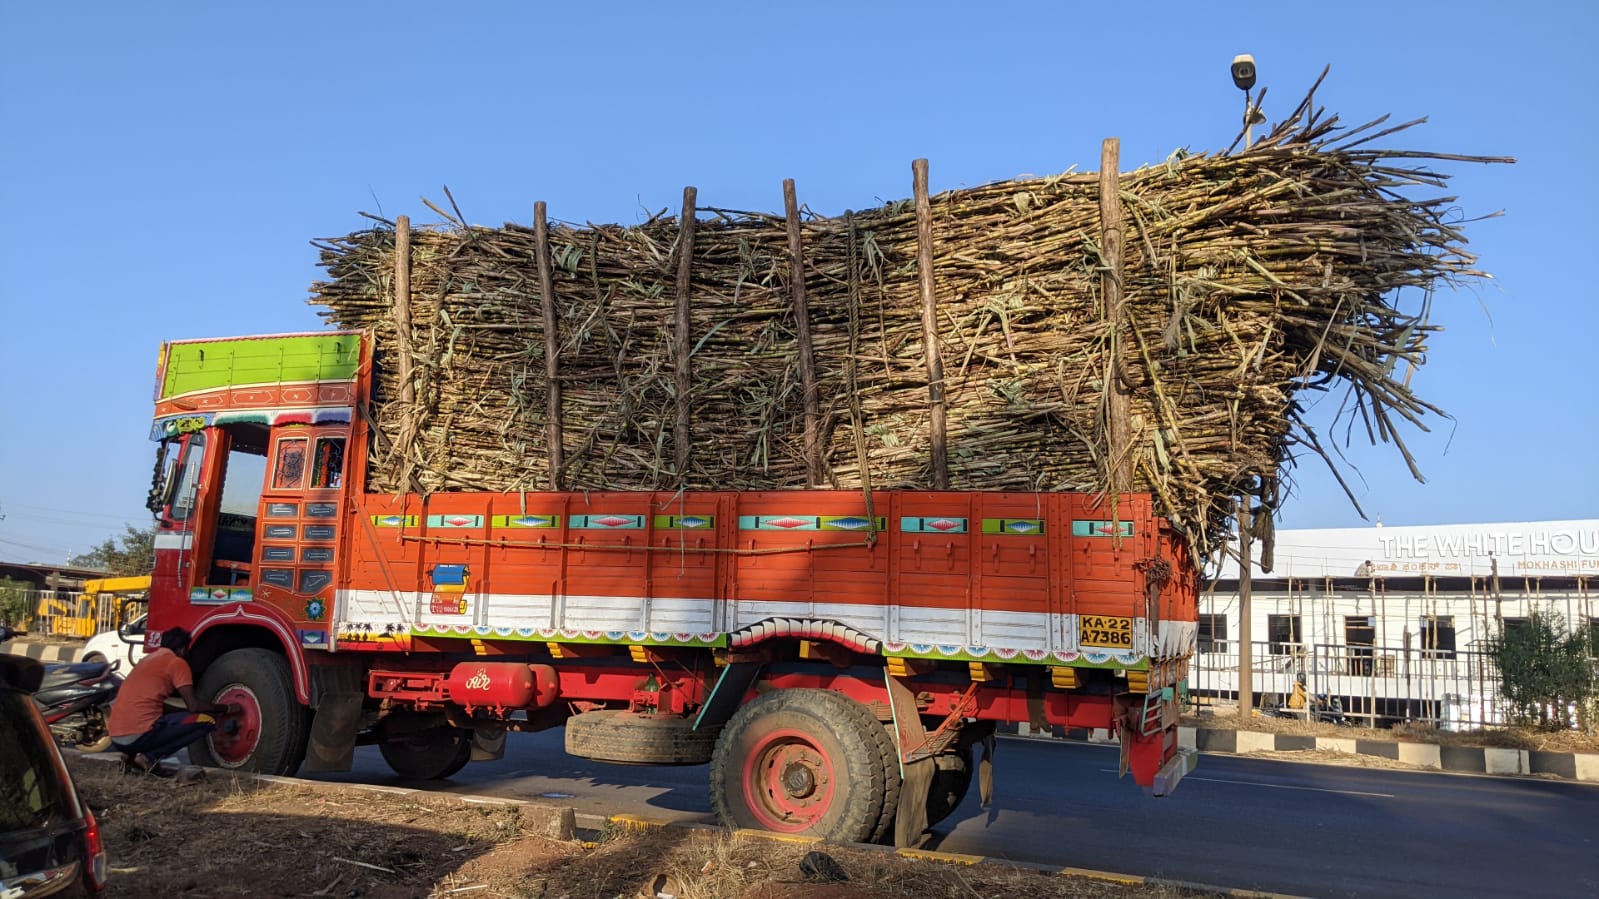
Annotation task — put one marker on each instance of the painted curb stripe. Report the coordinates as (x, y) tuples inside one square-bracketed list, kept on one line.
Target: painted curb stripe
[(1576, 766), (949, 858), (636, 822), (776, 837), (1090, 873)]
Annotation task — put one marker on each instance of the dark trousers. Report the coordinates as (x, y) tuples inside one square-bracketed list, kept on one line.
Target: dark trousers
[(171, 732)]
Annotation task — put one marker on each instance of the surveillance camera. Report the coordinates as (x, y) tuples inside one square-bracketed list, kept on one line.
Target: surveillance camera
[(1244, 71)]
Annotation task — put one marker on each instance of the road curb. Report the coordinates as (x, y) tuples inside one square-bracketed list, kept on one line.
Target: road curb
[(1579, 766), (44, 652)]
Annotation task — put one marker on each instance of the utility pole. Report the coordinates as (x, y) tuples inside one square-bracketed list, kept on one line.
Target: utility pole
[(1246, 662), (1499, 600)]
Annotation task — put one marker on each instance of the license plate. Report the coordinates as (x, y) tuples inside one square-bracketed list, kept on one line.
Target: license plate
[(1105, 632)]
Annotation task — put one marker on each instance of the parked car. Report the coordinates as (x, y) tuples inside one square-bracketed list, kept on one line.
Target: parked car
[(113, 646), (49, 841)]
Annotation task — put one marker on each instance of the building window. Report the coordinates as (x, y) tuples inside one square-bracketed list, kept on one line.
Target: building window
[(1283, 632), (1438, 636), (1360, 635), (1593, 635), (1212, 633)]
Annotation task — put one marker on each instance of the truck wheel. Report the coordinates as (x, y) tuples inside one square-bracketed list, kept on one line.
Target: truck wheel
[(888, 751), (627, 738), (92, 736), (801, 762), (433, 753), (269, 734), (952, 777)]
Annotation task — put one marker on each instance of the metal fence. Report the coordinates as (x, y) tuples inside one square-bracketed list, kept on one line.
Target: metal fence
[(61, 613), (1374, 685)]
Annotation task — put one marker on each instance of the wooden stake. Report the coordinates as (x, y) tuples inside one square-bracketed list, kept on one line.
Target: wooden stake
[(1112, 237), (402, 304), (937, 448), (851, 374), (552, 393), (685, 268), (802, 328)]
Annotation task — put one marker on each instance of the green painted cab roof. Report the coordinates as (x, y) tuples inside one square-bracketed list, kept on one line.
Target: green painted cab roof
[(189, 366)]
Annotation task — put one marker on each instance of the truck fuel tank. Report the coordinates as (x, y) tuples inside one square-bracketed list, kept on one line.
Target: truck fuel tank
[(502, 684)]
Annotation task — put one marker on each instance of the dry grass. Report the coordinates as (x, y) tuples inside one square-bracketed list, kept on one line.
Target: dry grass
[(235, 837)]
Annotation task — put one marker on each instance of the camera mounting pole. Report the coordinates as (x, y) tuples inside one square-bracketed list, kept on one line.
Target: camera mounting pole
[(1243, 70)]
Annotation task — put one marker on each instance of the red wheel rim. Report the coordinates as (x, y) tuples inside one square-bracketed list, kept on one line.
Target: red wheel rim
[(235, 737), (788, 782)]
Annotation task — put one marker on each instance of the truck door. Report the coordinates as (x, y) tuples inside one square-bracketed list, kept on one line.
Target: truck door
[(174, 501), (206, 502), (300, 519)]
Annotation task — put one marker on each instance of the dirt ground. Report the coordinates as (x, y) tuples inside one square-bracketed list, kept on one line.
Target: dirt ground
[(225, 836)]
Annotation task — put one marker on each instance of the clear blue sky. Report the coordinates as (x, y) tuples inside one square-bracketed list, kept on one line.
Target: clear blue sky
[(166, 165)]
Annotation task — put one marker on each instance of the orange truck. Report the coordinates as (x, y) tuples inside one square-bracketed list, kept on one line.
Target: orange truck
[(841, 659)]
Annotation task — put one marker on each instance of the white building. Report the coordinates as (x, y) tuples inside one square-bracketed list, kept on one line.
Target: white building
[(1393, 620)]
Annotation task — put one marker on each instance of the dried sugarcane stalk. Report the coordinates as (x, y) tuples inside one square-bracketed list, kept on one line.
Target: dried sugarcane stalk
[(1244, 282)]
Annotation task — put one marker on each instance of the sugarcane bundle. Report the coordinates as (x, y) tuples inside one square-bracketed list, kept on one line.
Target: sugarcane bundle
[(1241, 279)]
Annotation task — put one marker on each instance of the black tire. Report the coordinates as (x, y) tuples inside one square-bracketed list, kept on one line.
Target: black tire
[(952, 777), (803, 762), (271, 738), (93, 657), (432, 753), (93, 736), (888, 750), (622, 737)]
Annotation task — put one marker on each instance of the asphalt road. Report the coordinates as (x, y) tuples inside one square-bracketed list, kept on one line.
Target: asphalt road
[(1311, 830)]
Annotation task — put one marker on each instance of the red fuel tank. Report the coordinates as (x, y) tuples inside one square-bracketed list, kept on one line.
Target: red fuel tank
[(505, 684)]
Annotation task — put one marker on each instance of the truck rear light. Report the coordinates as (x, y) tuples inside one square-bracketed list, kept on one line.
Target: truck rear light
[(97, 858)]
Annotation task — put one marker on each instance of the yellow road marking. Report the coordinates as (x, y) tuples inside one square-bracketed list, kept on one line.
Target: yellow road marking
[(1102, 875), (953, 858)]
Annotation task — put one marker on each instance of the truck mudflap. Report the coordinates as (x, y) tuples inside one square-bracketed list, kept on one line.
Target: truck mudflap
[(1182, 763)]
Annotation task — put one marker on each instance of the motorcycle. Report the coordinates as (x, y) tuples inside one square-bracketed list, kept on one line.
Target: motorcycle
[(1311, 706), (75, 700)]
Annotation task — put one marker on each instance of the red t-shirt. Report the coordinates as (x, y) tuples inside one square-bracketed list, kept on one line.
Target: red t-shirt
[(142, 697)]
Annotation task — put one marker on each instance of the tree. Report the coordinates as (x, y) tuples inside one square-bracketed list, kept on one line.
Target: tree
[(1546, 671), (135, 555), (15, 602)]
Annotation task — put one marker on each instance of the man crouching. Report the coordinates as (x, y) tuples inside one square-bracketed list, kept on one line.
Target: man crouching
[(141, 728)]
